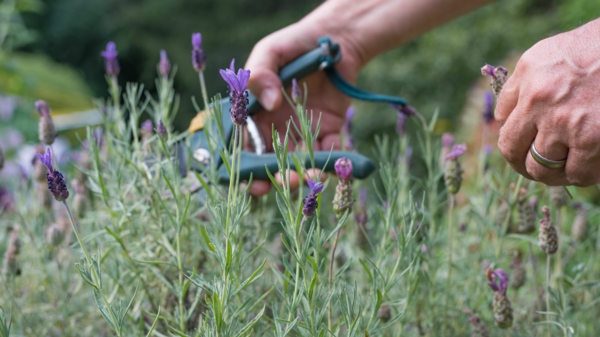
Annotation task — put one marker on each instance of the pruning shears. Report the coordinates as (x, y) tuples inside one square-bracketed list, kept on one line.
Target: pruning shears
[(257, 163)]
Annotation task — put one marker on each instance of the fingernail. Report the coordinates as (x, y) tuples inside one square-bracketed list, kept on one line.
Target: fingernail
[(267, 98)]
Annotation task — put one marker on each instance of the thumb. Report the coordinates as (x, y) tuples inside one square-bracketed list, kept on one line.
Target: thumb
[(267, 57)]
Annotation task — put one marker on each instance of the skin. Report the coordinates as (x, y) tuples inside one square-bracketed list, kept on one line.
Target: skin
[(357, 27)]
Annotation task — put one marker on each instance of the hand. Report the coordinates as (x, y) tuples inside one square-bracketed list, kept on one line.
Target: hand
[(553, 98), (279, 49)]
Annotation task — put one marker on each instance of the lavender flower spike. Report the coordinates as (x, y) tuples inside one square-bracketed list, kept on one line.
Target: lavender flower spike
[(161, 129), (198, 55), (310, 202), (497, 75), (296, 92), (164, 66), (42, 108), (56, 181), (238, 96), (46, 129), (110, 59), (488, 110)]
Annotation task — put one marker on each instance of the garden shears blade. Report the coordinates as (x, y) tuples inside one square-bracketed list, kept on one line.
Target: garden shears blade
[(208, 141)]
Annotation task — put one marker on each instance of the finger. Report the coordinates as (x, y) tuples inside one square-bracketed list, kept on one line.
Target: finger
[(515, 139), (582, 168), (331, 141), (290, 176), (507, 101), (549, 145), (259, 187), (314, 175)]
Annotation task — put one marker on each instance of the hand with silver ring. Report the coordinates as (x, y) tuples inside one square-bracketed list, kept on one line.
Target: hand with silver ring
[(552, 98)]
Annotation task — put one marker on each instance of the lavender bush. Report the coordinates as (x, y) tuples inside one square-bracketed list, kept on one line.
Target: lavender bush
[(142, 254)]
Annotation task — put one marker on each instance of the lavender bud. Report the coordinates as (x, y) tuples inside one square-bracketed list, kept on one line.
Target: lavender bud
[(548, 237), (452, 170), (161, 129), (56, 181), (111, 64), (198, 55), (55, 235), (488, 110), (519, 274), (384, 313), (502, 212), (296, 92), (11, 263), (558, 196), (238, 96), (526, 215), (497, 75), (579, 227), (46, 129), (164, 66), (310, 201), (478, 328)]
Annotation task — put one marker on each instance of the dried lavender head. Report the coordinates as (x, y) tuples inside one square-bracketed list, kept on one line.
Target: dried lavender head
[(161, 129), (519, 274), (502, 213), (452, 169), (579, 227), (44, 196), (46, 129), (110, 59), (343, 201), (488, 109), (310, 201), (55, 235), (526, 215), (548, 237), (478, 328), (497, 75), (56, 181), (503, 313), (238, 96), (164, 66), (361, 214), (558, 196), (384, 313), (296, 92), (198, 55), (11, 263)]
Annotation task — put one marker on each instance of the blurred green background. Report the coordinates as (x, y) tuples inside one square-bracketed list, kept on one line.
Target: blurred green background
[(51, 50)]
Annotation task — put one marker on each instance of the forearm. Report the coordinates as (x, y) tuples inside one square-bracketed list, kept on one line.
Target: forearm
[(375, 26)]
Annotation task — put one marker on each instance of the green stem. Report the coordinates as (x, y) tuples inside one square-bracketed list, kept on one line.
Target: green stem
[(335, 242), (450, 237), (94, 275), (203, 89), (297, 280), (181, 294), (548, 292)]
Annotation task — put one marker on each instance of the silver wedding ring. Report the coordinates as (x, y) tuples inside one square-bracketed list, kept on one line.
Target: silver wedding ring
[(552, 164)]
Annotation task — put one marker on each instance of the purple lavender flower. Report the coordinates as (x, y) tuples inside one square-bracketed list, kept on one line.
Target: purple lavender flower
[(497, 75), (161, 129), (498, 280), (56, 181), (348, 120), (42, 108), (447, 140), (310, 202), (164, 66), (457, 151), (110, 59), (343, 169), (296, 92), (488, 110), (198, 55), (238, 96), (147, 127)]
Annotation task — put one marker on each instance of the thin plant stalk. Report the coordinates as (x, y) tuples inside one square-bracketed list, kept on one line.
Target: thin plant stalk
[(548, 261), (450, 237), (93, 270), (335, 242), (203, 90)]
